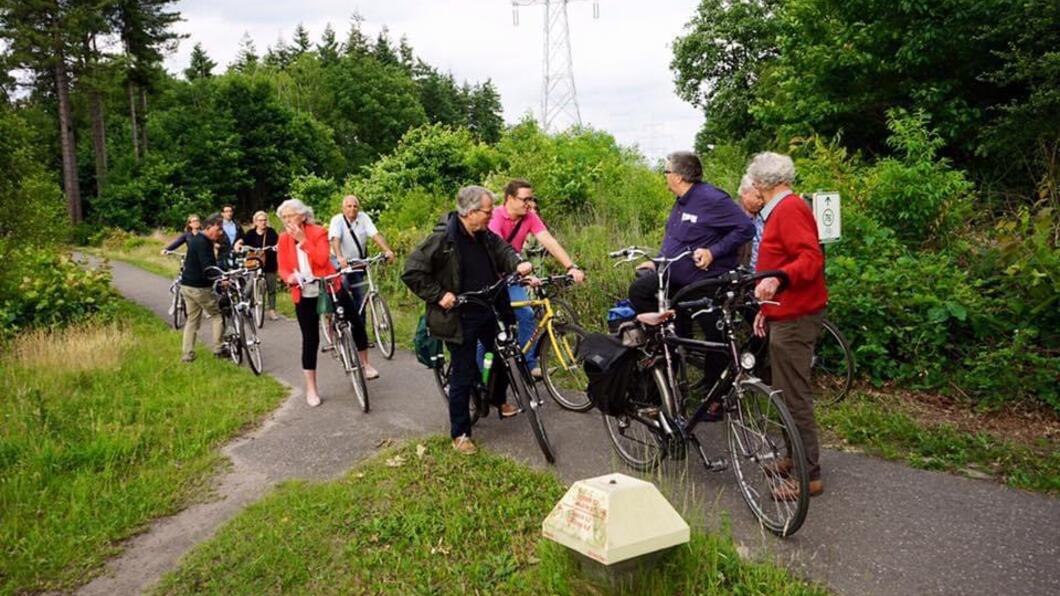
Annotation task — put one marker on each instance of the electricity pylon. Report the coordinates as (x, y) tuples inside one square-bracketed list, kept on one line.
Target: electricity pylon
[(559, 96)]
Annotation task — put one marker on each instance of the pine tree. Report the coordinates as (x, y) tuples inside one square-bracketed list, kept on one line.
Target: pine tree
[(279, 55), (301, 41), (382, 51), (484, 112), (328, 48), (247, 57), (356, 42), (201, 66), (405, 54)]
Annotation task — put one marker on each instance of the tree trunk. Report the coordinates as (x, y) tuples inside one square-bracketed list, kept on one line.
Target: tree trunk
[(143, 121), (66, 137), (133, 120), (99, 138)]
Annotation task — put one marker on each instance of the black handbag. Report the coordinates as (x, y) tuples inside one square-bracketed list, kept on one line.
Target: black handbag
[(610, 367)]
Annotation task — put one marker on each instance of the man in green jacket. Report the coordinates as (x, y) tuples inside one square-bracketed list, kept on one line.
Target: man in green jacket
[(462, 255)]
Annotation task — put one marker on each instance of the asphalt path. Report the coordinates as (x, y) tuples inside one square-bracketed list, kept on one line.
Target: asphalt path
[(879, 528)]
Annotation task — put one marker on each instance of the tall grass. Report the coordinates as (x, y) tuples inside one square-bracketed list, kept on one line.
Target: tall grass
[(103, 429)]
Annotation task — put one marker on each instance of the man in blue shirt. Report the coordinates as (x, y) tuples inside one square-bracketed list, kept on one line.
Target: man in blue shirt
[(704, 220)]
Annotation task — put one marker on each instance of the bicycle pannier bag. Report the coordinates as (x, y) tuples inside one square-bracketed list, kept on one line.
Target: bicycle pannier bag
[(621, 313), (428, 349), (324, 305), (610, 368)]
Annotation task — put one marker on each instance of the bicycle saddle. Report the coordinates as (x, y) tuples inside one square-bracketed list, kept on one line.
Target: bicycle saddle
[(652, 319)]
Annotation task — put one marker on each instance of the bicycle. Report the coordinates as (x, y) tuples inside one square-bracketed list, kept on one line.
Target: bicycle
[(520, 381), (338, 333), (382, 323), (256, 283), (655, 422), (240, 334), (178, 310), (560, 335)]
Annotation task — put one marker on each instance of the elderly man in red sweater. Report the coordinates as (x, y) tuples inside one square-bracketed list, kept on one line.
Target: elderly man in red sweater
[(790, 243)]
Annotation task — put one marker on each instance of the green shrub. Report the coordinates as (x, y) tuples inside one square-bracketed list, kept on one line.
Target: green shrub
[(321, 194), (48, 289), (918, 195)]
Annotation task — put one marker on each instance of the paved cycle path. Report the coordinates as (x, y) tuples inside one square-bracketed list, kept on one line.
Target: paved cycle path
[(879, 528)]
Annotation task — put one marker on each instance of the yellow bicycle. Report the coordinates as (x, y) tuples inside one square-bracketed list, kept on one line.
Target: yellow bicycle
[(560, 335)]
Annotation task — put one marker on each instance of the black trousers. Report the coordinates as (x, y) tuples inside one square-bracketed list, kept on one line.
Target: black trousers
[(462, 375), (309, 322), (643, 295)]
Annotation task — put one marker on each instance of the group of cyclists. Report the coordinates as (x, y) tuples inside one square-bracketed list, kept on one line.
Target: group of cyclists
[(475, 249)]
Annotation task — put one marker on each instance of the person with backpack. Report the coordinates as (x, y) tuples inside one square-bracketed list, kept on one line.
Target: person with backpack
[(348, 234), (463, 255)]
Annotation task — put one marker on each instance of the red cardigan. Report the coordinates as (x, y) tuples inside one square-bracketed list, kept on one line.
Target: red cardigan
[(316, 246), (790, 243)]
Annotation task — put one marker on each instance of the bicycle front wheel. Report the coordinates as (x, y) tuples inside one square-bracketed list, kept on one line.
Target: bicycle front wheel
[(768, 457), (636, 434), (530, 402), (352, 363), (234, 338), (180, 311), (832, 372), (257, 300), (251, 344), (382, 325), (562, 370)]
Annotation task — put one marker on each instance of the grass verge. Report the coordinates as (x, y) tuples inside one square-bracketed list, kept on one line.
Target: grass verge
[(881, 426), (103, 429), (423, 519)]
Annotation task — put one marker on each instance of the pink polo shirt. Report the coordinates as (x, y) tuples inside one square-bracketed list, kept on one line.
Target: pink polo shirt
[(502, 225)]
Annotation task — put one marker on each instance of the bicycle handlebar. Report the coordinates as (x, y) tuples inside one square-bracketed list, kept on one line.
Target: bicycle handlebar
[(735, 278), (476, 295)]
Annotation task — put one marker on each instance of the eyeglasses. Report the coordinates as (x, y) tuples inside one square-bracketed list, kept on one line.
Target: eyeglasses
[(530, 199), (668, 171)]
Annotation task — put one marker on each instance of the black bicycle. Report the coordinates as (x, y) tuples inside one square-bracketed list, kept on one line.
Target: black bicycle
[(337, 332), (520, 381), (668, 397), (178, 310), (240, 334)]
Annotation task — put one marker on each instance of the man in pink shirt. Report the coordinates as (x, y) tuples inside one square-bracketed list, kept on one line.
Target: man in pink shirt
[(514, 221)]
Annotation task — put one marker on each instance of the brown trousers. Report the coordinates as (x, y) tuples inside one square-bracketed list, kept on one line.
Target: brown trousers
[(201, 301), (791, 354)]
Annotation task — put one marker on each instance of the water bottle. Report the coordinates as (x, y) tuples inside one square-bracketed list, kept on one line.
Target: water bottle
[(487, 363)]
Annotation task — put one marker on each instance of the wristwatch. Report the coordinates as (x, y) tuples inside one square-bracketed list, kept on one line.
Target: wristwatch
[(574, 266)]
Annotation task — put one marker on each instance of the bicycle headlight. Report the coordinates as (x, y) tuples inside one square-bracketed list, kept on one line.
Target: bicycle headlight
[(747, 361), (340, 310), (502, 337)]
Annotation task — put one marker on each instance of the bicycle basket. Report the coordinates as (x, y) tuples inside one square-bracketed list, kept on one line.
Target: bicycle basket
[(254, 259), (610, 368)]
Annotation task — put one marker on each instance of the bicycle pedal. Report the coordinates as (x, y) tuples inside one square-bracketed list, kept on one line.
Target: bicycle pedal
[(326, 349), (718, 464)]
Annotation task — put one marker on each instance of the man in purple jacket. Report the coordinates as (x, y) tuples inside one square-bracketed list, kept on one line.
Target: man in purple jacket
[(704, 220)]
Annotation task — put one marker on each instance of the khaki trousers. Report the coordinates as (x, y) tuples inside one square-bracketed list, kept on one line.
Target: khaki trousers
[(791, 354), (199, 301)]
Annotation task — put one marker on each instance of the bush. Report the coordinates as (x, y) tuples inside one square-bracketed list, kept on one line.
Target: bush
[(321, 194), (47, 289)]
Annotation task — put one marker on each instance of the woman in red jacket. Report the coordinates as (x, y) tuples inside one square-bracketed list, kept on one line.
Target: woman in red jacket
[(303, 257)]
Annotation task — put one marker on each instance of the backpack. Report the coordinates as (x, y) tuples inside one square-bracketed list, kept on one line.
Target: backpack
[(610, 368), (429, 350)]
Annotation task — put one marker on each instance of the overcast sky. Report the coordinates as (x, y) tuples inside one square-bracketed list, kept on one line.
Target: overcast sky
[(621, 60)]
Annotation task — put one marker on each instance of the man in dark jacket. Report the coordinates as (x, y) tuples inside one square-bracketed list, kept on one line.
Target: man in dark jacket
[(462, 255), (196, 285)]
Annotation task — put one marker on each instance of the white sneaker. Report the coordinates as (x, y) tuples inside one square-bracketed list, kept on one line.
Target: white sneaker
[(536, 373), (370, 372), (312, 400)]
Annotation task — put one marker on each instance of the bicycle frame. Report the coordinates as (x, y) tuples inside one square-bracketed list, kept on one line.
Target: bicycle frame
[(544, 327)]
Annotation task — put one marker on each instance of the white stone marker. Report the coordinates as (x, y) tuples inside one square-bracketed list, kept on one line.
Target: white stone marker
[(614, 518)]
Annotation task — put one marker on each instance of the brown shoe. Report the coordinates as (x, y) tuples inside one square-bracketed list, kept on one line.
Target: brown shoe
[(507, 410), (779, 467), (789, 490), (464, 445)]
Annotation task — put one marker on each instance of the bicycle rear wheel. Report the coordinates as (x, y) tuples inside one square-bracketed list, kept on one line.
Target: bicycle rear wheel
[(382, 325), (832, 372), (352, 363), (530, 402), (762, 437), (562, 371), (251, 344), (636, 435)]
